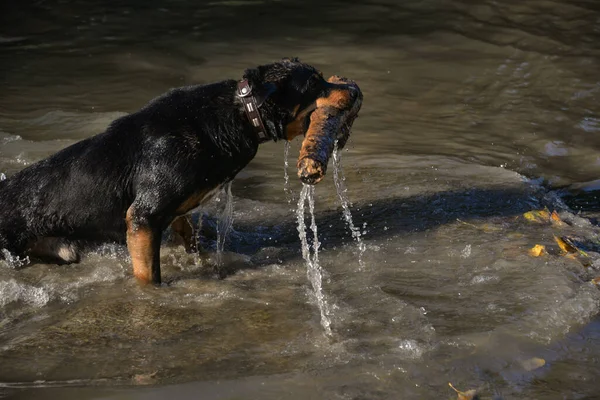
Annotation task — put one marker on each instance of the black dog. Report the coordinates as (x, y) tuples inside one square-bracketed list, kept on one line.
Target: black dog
[(132, 181)]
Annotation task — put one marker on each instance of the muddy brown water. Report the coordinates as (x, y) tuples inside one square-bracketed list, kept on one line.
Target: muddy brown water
[(473, 113)]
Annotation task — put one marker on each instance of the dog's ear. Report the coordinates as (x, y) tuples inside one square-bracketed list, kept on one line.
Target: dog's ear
[(263, 92), (260, 89), (253, 75)]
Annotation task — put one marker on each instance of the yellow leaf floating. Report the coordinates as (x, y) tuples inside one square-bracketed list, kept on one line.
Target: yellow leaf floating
[(468, 395), (564, 245), (596, 281), (539, 216), (556, 221), (573, 252), (544, 216), (537, 250), (533, 363), (568, 246)]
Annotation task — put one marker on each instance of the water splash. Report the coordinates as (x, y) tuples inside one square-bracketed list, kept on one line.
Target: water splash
[(314, 270), (12, 291), (339, 179), (14, 261), (3, 177), (225, 223)]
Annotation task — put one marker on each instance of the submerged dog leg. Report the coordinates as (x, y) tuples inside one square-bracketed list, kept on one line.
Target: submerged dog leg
[(318, 144), (183, 229), (143, 244), (330, 121), (55, 249)]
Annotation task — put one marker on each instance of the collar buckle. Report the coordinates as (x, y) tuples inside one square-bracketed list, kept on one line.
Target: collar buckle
[(244, 92)]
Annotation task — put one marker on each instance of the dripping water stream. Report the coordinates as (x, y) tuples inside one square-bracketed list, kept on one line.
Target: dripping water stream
[(225, 222), (286, 186), (339, 179), (314, 270)]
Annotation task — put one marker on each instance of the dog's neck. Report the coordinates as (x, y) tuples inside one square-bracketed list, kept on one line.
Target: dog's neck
[(251, 105), (267, 119)]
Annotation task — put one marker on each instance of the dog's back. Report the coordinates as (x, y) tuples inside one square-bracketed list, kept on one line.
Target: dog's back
[(73, 193), (83, 191)]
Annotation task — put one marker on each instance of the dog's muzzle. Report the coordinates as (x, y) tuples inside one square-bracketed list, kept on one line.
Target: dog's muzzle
[(331, 121)]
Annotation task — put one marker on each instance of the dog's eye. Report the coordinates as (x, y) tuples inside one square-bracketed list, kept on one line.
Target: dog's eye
[(315, 78), (312, 82)]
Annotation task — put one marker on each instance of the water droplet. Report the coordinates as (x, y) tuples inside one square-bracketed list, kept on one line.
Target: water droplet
[(466, 252)]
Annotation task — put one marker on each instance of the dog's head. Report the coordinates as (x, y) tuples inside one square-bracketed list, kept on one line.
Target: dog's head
[(295, 91)]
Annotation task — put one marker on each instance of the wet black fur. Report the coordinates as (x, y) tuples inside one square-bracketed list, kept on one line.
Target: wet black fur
[(188, 139)]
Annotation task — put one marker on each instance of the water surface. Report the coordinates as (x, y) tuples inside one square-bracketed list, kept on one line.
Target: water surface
[(474, 113)]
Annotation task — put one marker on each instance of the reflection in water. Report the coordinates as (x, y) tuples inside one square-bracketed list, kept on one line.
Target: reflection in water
[(472, 111)]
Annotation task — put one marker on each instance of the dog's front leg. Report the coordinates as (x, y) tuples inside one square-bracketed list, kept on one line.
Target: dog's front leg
[(184, 230), (143, 243)]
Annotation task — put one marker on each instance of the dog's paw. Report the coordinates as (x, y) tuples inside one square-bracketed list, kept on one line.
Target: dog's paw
[(310, 171)]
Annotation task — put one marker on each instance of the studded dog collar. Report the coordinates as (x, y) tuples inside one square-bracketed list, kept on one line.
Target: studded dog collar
[(244, 92)]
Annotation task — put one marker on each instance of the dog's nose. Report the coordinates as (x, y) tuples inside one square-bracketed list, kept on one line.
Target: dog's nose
[(354, 93)]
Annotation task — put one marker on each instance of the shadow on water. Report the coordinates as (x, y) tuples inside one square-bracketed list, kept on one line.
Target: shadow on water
[(383, 218), (583, 201)]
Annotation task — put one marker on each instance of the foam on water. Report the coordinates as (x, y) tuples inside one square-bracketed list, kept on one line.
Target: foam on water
[(12, 260), (225, 223), (339, 178), (12, 291), (314, 270), (63, 284), (7, 138)]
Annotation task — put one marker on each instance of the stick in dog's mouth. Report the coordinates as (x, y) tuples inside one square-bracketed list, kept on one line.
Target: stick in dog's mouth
[(332, 120)]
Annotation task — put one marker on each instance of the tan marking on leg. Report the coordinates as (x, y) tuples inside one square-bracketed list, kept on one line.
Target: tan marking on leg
[(139, 244), (184, 230), (318, 144), (321, 123), (67, 253), (331, 121)]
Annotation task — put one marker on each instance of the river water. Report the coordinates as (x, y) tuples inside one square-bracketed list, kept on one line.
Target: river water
[(474, 113)]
